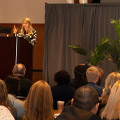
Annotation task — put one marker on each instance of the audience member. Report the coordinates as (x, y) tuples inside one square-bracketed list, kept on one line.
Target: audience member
[(5, 113), (4, 102), (39, 102), (80, 75), (85, 105), (112, 108), (25, 84), (92, 75), (13, 85), (109, 82), (62, 91), (101, 73)]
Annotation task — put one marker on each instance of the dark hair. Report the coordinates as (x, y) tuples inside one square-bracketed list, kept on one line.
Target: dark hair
[(80, 75), (85, 97), (13, 84), (62, 77)]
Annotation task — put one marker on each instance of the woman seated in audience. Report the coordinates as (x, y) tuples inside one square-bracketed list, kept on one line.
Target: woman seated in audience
[(80, 75), (5, 110), (62, 91), (112, 108), (39, 102), (13, 86), (109, 82)]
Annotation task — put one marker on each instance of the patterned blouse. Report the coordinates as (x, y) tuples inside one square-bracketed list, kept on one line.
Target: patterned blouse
[(5, 114), (31, 38)]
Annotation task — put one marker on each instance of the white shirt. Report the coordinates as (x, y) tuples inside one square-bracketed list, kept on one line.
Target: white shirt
[(5, 114)]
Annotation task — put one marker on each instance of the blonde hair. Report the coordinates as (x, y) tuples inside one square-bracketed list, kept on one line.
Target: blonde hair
[(92, 74), (112, 108), (3, 94), (39, 102), (109, 82), (30, 31)]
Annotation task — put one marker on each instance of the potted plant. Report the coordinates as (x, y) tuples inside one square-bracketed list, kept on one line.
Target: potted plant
[(107, 49)]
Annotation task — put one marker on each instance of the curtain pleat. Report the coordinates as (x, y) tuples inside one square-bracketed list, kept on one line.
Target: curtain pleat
[(75, 24)]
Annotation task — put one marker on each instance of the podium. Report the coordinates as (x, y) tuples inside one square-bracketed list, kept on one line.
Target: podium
[(15, 50)]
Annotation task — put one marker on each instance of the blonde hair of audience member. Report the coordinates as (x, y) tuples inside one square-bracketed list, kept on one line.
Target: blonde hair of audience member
[(112, 108), (26, 26), (3, 94), (92, 74), (109, 82), (39, 102)]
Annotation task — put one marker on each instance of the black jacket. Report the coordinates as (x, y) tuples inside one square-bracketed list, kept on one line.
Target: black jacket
[(74, 113)]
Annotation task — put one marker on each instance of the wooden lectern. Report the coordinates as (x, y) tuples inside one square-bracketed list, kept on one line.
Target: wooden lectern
[(15, 50)]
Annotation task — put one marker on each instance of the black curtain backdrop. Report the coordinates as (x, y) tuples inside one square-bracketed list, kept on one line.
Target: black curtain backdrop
[(76, 24)]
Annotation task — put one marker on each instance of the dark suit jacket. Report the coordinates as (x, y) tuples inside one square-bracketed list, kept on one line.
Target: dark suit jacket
[(25, 85), (74, 113), (63, 93)]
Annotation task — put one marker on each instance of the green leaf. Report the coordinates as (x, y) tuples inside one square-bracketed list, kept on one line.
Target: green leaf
[(78, 49)]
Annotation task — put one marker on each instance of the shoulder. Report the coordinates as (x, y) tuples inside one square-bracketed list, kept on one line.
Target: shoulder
[(75, 113), (34, 31), (5, 114), (24, 79), (94, 117)]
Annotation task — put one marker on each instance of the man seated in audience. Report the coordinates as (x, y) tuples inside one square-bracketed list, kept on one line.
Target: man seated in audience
[(92, 75), (85, 105), (62, 91), (25, 84)]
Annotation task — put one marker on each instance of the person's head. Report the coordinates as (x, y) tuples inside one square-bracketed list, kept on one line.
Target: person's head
[(19, 70), (109, 82), (101, 73), (62, 77), (112, 108), (3, 94), (80, 75), (13, 84), (39, 102), (26, 25), (86, 97), (92, 74)]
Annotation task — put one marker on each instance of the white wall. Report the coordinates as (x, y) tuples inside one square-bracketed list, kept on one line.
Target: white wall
[(13, 11)]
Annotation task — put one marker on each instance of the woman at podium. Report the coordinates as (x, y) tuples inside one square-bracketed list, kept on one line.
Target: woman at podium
[(27, 31)]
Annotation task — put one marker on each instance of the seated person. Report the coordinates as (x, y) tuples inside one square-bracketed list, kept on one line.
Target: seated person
[(4, 102), (62, 91), (19, 70), (80, 75), (101, 73), (112, 108), (85, 105), (5, 113), (109, 82), (39, 102), (92, 75), (13, 86)]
